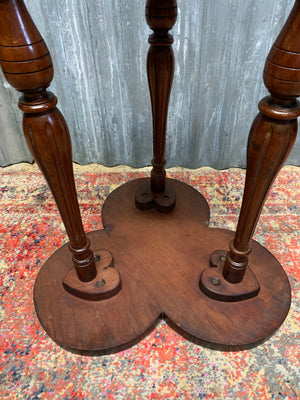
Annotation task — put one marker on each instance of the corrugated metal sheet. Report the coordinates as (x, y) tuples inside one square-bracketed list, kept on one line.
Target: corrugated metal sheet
[(99, 50)]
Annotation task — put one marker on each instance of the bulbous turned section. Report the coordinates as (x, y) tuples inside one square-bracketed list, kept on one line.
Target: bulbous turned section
[(271, 139), (161, 17), (27, 66), (282, 68), (24, 57)]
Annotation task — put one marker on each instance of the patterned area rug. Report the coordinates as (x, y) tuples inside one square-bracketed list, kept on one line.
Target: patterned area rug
[(163, 365)]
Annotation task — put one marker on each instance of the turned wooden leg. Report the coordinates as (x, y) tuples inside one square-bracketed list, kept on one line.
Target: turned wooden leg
[(27, 66), (270, 141), (160, 257), (161, 17)]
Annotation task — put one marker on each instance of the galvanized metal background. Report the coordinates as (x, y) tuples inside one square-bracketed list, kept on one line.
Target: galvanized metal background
[(99, 50)]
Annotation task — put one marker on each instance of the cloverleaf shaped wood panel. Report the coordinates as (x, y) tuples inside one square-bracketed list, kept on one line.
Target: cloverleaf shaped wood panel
[(160, 258)]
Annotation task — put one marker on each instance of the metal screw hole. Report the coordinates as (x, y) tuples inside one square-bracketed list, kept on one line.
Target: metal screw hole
[(215, 281), (100, 283)]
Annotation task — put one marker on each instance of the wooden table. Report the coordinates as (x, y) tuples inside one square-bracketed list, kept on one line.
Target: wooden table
[(156, 256)]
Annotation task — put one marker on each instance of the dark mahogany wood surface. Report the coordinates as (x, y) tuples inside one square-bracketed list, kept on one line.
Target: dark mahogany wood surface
[(160, 258), (26, 63), (106, 283), (161, 17), (271, 139), (148, 264)]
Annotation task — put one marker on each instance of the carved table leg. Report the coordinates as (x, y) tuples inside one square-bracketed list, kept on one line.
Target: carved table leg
[(161, 16), (230, 276), (159, 256), (27, 66)]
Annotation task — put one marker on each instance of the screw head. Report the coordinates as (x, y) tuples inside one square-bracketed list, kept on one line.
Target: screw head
[(100, 283), (97, 258), (223, 258), (215, 281)]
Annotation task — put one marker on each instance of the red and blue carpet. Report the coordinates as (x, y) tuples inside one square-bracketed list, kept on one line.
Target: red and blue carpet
[(163, 365)]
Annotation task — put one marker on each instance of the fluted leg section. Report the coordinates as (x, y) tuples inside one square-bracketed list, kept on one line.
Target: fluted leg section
[(27, 65), (48, 139), (160, 16), (270, 141), (160, 257)]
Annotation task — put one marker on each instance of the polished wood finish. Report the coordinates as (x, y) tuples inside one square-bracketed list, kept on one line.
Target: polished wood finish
[(27, 65), (160, 258), (271, 139), (106, 284), (161, 17), (172, 265), (214, 286)]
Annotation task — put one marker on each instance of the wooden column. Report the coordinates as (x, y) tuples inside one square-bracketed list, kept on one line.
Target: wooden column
[(271, 138), (161, 16), (27, 66), (160, 256)]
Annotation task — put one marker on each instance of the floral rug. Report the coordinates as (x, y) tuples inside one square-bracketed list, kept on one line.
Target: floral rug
[(163, 365)]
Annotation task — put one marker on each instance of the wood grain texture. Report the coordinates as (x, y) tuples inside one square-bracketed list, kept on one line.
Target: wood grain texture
[(27, 65), (160, 258), (161, 17), (103, 92), (272, 136), (106, 283)]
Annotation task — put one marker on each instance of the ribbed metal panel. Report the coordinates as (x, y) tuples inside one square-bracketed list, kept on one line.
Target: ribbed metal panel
[(99, 50)]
